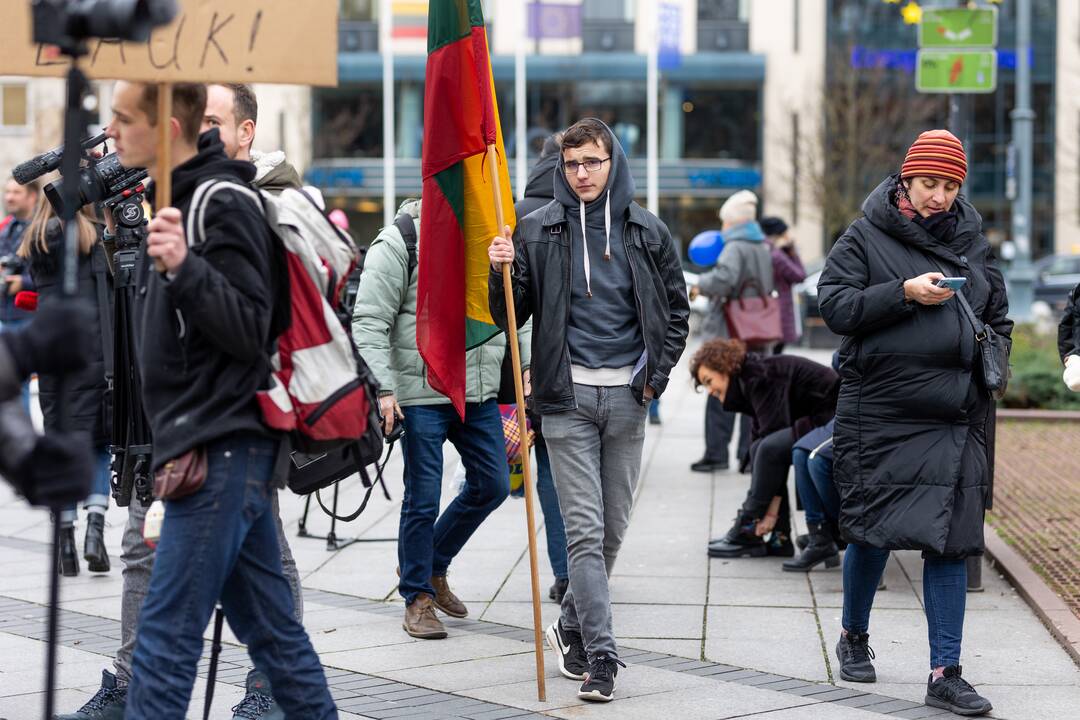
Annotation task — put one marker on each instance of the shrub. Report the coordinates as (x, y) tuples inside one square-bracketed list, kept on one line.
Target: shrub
[(1036, 373)]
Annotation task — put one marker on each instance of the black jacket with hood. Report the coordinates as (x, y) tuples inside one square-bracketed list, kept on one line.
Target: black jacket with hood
[(913, 417), (205, 335), (543, 272)]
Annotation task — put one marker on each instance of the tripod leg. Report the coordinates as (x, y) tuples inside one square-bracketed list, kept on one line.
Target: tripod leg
[(331, 538), (54, 617), (303, 519)]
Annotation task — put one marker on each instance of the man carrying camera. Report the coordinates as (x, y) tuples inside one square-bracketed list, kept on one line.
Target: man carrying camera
[(207, 294)]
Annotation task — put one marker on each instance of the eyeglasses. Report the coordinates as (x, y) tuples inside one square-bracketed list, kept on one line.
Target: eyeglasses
[(591, 165)]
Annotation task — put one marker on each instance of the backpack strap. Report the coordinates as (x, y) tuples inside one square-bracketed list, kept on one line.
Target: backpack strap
[(365, 479), (196, 217), (406, 225)]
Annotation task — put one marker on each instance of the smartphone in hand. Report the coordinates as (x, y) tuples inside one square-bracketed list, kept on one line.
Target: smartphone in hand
[(952, 283)]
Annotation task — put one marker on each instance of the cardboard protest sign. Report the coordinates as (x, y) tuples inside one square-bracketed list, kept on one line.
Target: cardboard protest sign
[(277, 41)]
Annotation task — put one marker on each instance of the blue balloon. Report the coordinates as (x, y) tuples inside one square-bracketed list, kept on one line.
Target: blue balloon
[(705, 249)]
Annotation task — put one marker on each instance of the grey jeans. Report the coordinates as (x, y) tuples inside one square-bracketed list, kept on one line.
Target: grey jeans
[(138, 560), (595, 454)]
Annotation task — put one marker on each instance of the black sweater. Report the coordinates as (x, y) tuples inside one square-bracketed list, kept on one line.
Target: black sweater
[(205, 336)]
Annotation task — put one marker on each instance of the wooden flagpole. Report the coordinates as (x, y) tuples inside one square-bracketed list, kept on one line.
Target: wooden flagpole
[(526, 466), (163, 174)]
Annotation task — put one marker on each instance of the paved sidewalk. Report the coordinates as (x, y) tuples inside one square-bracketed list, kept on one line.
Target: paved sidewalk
[(703, 639)]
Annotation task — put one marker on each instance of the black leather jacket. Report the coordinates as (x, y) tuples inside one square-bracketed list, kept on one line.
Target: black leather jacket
[(541, 283)]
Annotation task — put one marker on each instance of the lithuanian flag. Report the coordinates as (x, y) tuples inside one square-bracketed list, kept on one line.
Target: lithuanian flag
[(457, 217)]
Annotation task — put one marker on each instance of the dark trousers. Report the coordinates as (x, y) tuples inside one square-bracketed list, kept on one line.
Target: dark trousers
[(427, 541), (814, 483), (944, 595), (719, 427), (221, 544), (772, 461)]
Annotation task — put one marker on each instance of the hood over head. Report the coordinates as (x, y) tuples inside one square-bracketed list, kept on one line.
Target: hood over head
[(613, 202)]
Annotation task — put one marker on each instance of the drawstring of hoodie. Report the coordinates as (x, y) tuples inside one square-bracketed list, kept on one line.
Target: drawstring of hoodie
[(585, 240)]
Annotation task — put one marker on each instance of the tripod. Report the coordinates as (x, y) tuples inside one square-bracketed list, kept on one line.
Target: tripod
[(131, 446)]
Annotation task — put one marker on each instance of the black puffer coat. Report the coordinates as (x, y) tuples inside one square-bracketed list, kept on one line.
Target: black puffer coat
[(911, 459), (85, 389)]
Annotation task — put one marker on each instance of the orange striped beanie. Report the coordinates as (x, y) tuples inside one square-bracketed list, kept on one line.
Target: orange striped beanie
[(936, 153)]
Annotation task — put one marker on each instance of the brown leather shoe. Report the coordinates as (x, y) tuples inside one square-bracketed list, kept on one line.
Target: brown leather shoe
[(420, 620), (446, 600)]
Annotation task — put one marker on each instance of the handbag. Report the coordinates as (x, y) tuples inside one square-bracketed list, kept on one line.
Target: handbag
[(993, 351), (754, 320), (181, 476)]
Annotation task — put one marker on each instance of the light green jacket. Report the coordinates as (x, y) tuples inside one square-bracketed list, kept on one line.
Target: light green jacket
[(384, 328)]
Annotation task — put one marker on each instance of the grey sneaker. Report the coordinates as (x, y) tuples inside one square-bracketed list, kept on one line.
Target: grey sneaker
[(107, 704), (955, 694), (259, 703), (854, 653)]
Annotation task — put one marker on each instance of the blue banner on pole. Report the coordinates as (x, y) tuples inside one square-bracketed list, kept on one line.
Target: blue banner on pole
[(669, 36)]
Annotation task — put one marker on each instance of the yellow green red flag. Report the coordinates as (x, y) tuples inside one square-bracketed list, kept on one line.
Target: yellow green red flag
[(457, 218)]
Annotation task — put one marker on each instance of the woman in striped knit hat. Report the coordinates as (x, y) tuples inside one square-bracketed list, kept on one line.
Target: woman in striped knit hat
[(910, 446)]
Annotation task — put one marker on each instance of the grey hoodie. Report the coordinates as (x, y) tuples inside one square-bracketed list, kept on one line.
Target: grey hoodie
[(603, 331)]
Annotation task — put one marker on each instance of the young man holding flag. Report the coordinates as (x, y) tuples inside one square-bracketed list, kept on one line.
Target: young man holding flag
[(601, 278)]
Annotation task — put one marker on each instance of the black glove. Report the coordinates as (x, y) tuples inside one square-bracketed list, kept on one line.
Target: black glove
[(56, 341), (58, 471)]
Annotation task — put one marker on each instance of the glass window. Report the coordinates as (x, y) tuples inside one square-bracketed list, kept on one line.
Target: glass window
[(718, 9), (348, 122), (619, 103), (721, 122), (14, 109), (360, 10), (607, 9)]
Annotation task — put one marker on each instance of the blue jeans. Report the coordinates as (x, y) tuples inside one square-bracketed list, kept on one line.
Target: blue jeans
[(99, 489), (220, 543), (427, 542), (944, 595), (814, 483), (554, 529)]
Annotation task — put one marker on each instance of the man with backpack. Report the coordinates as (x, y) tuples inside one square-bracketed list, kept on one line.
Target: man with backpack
[(233, 111), (205, 343), (384, 329)]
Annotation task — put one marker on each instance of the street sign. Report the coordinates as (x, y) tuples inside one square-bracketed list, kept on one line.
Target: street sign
[(958, 28), (956, 71)]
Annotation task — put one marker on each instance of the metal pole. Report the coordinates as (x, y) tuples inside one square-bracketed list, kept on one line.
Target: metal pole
[(386, 26), (1022, 276), (521, 110), (652, 90)]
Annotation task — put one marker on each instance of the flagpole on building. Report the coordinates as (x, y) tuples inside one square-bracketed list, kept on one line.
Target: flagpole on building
[(386, 47), (523, 428), (521, 173)]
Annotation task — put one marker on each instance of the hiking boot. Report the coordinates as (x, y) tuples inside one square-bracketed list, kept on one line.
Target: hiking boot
[(558, 589), (955, 694), (705, 465), (779, 545), (819, 549), (740, 541), (69, 553), (446, 600), (420, 620), (599, 684), (107, 704), (259, 703), (854, 653), (569, 648), (97, 559)]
